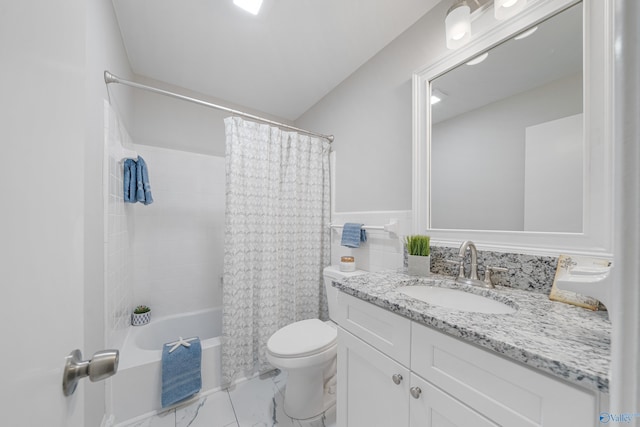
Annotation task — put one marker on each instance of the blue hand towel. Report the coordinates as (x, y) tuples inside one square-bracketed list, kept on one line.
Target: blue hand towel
[(181, 377), (143, 193), (352, 235), (129, 180)]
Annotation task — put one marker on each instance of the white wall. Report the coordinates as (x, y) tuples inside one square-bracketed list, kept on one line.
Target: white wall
[(553, 176), (481, 165), (161, 121), (52, 235), (178, 240), (382, 250), (370, 115)]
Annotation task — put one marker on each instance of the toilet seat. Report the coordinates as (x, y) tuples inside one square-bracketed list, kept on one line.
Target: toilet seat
[(301, 339)]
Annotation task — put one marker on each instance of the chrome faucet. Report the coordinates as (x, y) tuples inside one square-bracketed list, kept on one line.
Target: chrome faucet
[(471, 247), (473, 278)]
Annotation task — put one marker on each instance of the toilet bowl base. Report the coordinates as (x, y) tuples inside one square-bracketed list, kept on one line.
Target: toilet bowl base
[(329, 402), (310, 392)]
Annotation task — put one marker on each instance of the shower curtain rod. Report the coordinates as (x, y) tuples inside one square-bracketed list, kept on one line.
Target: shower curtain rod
[(112, 78)]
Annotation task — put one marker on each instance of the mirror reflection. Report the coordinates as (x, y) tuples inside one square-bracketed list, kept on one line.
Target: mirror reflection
[(507, 134)]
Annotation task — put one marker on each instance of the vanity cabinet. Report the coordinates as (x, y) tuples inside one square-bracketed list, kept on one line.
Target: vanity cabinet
[(372, 387), (396, 372)]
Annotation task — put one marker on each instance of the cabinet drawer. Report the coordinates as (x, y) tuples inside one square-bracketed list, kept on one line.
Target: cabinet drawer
[(384, 330), (506, 392)]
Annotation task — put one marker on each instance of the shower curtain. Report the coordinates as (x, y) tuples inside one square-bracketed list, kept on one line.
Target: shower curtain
[(276, 238)]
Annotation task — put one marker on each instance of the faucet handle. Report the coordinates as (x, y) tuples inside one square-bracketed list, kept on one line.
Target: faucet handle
[(487, 273), (460, 264)]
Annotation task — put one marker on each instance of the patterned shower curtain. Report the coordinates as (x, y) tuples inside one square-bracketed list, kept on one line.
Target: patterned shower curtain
[(276, 238)]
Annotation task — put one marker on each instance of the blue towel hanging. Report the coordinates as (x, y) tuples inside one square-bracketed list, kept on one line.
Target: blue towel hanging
[(129, 180), (352, 235), (136, 182), (181, 370), (143, 193)]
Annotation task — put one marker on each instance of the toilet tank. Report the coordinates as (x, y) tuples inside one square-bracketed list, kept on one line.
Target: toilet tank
[(330, 274)]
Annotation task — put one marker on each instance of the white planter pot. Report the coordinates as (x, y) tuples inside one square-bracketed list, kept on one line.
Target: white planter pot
[(140, 319), (419, 265)]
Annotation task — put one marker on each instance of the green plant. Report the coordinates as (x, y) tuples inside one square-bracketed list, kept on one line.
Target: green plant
[(418, 245), (141, 309)]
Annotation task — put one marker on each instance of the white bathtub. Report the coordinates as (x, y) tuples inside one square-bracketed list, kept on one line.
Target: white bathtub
[(136, 388)]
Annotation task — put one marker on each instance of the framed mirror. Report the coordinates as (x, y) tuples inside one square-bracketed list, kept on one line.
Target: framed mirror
[(511, 137)]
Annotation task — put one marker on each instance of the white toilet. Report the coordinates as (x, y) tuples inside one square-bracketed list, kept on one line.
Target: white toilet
[(307, 351)]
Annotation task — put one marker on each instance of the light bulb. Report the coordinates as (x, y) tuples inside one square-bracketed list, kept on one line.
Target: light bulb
[(504, 9), (458, 25)]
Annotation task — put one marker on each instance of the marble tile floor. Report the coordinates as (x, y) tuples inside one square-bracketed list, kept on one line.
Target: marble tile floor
[(253, 403)]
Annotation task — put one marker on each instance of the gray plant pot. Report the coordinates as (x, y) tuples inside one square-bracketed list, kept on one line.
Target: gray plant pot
[(140, 319), (419, 265)]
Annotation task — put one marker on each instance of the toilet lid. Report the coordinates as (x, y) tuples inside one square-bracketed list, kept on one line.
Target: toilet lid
[(302, 338)]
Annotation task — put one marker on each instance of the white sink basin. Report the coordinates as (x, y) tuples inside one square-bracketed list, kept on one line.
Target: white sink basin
[(456, 299)]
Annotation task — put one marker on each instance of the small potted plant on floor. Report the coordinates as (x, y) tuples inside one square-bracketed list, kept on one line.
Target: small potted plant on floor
[(419, 251), (141, 315)]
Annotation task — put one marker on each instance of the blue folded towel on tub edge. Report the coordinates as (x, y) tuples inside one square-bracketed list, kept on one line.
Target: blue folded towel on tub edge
[(181, 372)]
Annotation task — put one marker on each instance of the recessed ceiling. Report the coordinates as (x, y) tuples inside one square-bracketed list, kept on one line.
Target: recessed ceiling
[(281, 61)]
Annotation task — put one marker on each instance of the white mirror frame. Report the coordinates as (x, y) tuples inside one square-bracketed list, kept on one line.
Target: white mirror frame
[(596, 238)]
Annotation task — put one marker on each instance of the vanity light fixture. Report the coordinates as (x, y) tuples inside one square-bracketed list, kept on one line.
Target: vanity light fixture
[(526, 33), (458, 20), (458, 25), (505, 9), (478, 59), (251, 6)]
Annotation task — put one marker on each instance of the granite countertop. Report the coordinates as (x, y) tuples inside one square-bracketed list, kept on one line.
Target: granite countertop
[(563, 340)]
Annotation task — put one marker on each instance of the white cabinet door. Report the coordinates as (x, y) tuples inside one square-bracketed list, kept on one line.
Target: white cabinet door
[(431, 407), (367, 391)]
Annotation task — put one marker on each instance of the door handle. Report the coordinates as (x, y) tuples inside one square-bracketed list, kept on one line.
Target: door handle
[(102, 365)]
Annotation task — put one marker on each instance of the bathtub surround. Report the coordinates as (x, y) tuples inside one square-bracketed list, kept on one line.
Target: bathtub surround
[(276, 238), (178, 241), (137, 387), (167, 255), (117, 238)]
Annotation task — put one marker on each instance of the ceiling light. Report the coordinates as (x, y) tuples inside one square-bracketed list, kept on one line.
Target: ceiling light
[(526, 33), (504, 9), (458, 25), (478, 59), (251, 6)]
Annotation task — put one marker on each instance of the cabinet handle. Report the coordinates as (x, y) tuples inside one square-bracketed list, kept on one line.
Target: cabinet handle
[(397, 378), (415, 392)]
